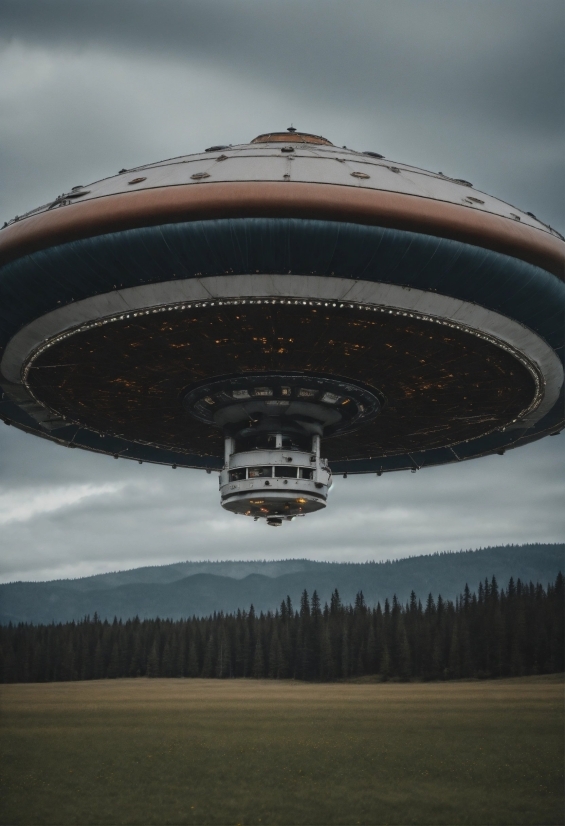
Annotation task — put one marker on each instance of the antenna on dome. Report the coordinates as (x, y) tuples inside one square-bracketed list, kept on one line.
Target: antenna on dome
[(291, 129)]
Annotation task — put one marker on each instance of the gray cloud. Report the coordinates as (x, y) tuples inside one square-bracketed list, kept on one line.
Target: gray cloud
[(502, 59), (153, 515), (472, 89)]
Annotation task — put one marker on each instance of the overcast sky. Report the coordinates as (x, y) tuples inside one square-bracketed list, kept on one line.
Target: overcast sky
[(473, 89)]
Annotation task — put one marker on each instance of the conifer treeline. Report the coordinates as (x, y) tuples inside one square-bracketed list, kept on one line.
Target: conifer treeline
[(492, 633)]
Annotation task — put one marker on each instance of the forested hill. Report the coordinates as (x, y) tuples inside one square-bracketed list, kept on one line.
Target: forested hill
[(200, 588), (496, 632)]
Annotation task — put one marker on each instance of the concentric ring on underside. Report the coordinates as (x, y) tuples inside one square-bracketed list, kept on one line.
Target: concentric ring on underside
[(126, 375)]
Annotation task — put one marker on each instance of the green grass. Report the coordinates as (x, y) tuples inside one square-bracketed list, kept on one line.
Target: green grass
[(247, 752)]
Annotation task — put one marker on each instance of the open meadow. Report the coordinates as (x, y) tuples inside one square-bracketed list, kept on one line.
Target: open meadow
[(157, 751)]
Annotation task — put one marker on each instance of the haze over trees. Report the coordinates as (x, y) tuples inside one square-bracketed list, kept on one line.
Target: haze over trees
[(186, 589), (494, 632)]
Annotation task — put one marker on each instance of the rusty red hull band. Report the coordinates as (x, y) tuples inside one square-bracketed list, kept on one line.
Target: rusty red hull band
[(282, 199)]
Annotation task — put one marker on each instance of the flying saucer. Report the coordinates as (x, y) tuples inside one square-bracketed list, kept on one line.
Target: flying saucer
[(279, 310)]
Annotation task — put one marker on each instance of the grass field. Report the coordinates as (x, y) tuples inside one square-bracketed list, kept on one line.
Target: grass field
[(227, 752)]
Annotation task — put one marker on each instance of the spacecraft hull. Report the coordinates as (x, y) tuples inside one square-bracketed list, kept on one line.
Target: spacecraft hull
[(286, 254)]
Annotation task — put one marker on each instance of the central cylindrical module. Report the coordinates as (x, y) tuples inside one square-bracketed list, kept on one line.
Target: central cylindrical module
[(275, 484), (272, 425)]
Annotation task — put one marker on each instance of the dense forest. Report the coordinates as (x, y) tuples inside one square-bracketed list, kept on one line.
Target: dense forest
[(492, 633)]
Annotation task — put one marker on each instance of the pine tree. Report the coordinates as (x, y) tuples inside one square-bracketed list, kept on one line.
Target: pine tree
[(402, 651), (249, 643), (167, 661), (335, 603), (327, 664), (209, 657), (258, 661), (99, 670), (360, 606), (114, 664), (465, 658), (454, 653), (135, 667), (304, 605), (193, 669), (223, 657), (153, 661), (316, 611), (557, 621), (9, 672), (437, 658), (371, 650), (385, 664), (180, 665), (274, 656), (345, 665), (247, 652)]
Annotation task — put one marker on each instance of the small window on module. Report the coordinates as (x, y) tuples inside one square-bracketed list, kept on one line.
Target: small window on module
[(306, 473), (286, 472), (236, 475), (259, 472)]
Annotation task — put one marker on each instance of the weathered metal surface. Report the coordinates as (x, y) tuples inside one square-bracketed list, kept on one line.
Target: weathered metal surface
[(128, 378), (149, 298), (291, 136), (313, 181)]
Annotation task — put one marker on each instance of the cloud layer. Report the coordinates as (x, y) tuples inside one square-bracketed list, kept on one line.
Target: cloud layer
[(67, 513)]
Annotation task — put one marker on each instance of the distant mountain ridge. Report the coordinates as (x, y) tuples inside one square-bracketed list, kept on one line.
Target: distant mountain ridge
[(163, 574), (199, 588)]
